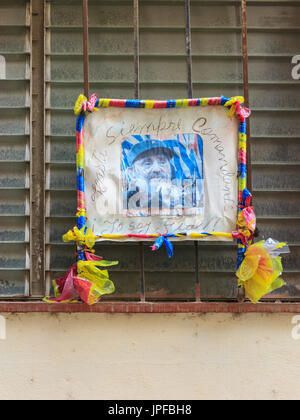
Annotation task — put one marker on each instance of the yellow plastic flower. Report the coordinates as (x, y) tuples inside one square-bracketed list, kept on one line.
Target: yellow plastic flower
[(259, 273), (98, 280)]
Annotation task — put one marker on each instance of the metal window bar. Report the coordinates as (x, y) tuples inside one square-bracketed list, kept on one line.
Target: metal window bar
[(188, 35), (85, 24), (37, 147), (246, 88), (136, 27), (241, 290)]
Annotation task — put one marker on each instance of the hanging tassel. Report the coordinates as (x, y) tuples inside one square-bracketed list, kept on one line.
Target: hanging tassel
[(84, 280), (261, 269), (164, 240)]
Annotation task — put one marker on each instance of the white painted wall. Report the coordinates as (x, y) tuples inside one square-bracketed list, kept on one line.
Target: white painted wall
[(103, 356)]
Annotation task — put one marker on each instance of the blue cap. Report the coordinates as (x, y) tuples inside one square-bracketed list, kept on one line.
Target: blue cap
[(147, 146)]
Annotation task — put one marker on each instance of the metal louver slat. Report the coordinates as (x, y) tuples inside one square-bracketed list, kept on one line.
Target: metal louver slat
[(273, 39)]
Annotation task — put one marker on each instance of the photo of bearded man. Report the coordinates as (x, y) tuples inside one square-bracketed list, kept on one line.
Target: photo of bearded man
[(163, 177)]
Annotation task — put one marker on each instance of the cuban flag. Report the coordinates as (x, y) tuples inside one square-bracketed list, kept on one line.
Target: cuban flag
[(179, 178)]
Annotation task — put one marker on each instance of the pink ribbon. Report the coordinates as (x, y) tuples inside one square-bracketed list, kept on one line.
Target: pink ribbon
[(241, 112), (90, 104)]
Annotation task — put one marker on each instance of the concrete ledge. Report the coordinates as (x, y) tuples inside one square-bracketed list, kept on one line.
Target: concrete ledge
[(150, 307)]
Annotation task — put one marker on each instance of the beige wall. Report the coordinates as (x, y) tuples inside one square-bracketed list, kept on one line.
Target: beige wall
[(118, 356)]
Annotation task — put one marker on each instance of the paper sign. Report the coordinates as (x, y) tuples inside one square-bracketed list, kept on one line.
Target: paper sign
[(161, 171)]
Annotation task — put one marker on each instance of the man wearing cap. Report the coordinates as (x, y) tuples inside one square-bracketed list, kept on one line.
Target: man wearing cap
[(151, 160), (149, 177)]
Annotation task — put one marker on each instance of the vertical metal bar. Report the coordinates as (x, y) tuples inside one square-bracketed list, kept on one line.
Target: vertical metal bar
[(142, 273), (246, 89), (136, 26), (189, 45), (136, 46), (37, 150), (85, 34), (48, 145), (85, 24), (197, 278), (241, 291), (188, 35)]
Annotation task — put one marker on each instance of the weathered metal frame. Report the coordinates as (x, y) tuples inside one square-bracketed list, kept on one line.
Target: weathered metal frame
[(37, 150), (136, 25), (85, 25)]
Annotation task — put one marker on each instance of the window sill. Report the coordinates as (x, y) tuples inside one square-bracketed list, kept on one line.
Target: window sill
[(150, 307)]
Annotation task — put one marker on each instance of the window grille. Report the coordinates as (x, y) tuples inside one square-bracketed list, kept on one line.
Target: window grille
[(148, 49)]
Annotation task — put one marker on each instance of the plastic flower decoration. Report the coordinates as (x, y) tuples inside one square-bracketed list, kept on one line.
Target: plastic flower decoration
[(85, 280), (261, 269)]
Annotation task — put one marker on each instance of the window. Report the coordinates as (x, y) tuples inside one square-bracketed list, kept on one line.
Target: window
[(216, 69)]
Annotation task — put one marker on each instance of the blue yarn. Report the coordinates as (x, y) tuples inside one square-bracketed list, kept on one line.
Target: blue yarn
[(164, 240), (224, 100)]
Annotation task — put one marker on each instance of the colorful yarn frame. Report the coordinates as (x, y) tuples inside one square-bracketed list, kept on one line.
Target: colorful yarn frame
[(84, 106)]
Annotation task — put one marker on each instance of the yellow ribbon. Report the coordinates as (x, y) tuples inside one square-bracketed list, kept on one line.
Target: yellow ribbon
[(78, 105), (234, 100), (204, 235), (77, 235), (80, 213)]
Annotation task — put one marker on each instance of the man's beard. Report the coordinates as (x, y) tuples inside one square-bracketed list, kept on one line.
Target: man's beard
[(158, 176)]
